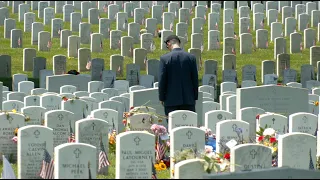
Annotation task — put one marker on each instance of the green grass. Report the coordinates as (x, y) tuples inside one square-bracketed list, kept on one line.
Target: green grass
[(296, 60)]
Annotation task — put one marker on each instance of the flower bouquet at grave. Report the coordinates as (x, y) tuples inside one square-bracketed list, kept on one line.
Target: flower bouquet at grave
[(215, 162), (154, 117), (210, 138), (267, 136), (65, 98), (9, 118), (161, 143), (112, 141)]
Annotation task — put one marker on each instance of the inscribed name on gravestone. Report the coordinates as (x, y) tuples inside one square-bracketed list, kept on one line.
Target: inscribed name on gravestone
[(271, 98), (134, 155)]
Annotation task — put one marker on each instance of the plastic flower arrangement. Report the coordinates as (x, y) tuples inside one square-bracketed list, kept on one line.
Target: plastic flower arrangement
[(65, 98), (112, 141), (161, 143), (268, 137), (215, 162)]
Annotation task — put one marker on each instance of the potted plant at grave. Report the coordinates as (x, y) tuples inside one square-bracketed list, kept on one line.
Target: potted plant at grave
[(267, 136)]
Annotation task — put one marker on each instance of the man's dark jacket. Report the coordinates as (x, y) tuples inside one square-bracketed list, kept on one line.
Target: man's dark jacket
[(178, 78)]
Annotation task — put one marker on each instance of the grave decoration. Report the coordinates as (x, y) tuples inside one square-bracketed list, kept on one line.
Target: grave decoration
[(65, 98), (268, 137), (160, 132), (112, 141), (9, 118)]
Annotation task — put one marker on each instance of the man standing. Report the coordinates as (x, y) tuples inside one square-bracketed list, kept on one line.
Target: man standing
[(178, 78)]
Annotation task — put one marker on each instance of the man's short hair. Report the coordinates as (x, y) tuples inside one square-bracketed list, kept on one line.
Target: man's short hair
[(172, 37)]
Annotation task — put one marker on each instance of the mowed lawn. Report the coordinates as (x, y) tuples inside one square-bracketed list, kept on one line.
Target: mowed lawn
[(254, 59), (242, 59)]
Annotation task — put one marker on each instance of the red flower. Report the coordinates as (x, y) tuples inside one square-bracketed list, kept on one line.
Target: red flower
[(65, 98), (279, 84), (258, 116), (167, 163), (272, 140), (227, 156), (131, 107), (124, 121), (260, 138)]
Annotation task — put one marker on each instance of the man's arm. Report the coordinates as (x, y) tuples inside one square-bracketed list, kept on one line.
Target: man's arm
[(162, 84), (194, 76)]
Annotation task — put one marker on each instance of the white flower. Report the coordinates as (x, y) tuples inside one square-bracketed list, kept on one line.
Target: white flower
[(269, 132), (203, 128)]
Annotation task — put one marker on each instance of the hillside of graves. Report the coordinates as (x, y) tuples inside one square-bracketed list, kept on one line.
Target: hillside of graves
[(258, 100)]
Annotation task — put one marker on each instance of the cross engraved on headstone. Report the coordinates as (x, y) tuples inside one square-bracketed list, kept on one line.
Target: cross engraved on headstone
[(35, 99), (137, 140), (219, 116), (93, 125), (305, 119), (77, 152), (273, 119), (234, 127), (184, 116), (189, 134), (36, 133), (143, 120), (253, 153), (60, 116), (105, 115)]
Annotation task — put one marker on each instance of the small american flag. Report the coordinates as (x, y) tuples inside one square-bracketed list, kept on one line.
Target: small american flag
[(119, 69), (308, 25), (99, 16), (119, 43), (233, 51), (131, 13), (47, 167), (122, 4), (152, 47), (49, 45), (191, 11), (142, 21), (267, 44), (202, 47), (59, 31), (217, 25), (71, 138), (249, 29), (171, 26), (145, 60), (314, 42), (103, 158), (154, 172), (218, 43), (262, 23), (131, 51), (301, 46), (19, 42), (205, 17), (160, 151), (105, 8), (235, 35), (88, 66)]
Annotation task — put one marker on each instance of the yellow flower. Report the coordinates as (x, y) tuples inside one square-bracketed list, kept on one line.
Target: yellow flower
[(14, 110), (221, 42), (316, 103), (274, 149), (156, 166), (162, 166), (172, 171)]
